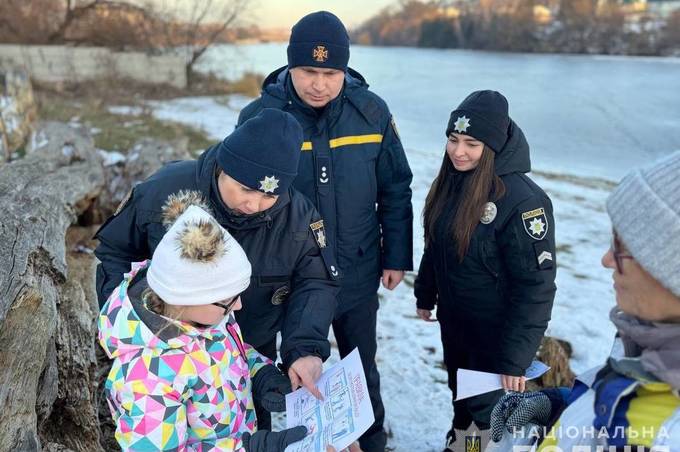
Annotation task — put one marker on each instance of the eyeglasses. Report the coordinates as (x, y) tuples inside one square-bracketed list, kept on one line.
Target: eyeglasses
[(228, 305), (619, 255)]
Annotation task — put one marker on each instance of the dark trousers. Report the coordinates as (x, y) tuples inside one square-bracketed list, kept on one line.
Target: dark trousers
[(264, 418), (355, 327), (477, 408)]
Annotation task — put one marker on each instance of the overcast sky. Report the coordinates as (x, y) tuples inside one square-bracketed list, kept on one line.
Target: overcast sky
[(284, 13)]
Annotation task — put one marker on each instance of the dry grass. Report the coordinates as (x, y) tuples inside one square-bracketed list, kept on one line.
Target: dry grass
[(88, 102), (115, 131), (122, 91)]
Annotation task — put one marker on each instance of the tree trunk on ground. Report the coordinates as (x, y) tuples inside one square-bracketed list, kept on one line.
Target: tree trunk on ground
[(46, 318), (51, 368)]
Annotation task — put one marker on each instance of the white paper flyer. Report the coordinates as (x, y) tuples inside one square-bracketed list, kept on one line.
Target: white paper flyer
[(343, 415), (473, 382)]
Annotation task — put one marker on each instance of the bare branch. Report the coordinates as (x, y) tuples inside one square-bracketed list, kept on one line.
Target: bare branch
[(210, 40)]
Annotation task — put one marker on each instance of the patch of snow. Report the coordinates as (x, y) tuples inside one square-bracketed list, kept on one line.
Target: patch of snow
[(38, 140), (217, 116), (125, 110), (111, 158), (68, 150)]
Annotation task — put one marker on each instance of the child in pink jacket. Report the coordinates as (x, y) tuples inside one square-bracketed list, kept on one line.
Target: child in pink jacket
[(182, 378)]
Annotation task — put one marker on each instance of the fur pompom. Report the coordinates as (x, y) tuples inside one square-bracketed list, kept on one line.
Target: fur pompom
[(178, 202), (202, 242)]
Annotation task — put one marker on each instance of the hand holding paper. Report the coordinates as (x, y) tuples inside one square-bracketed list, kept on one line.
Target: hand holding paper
[(473, 382)]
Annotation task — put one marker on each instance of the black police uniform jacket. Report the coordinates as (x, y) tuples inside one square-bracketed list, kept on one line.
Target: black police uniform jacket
[(494, 306), (279, 243), (352, 161)]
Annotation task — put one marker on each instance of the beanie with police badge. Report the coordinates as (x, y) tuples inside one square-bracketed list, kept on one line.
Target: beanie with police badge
[(263, 152), (484, 116)]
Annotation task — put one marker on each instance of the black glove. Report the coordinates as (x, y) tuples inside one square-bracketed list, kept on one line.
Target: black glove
[(516, 409), (270, 387), (267, 441)]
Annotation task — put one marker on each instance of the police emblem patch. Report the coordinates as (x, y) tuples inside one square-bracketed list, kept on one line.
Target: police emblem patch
[(535, 223), (473, 444), (269, 184), (319, 233), (280, 295), (461, 125), (489, 213), (122, 204), (320, 54)]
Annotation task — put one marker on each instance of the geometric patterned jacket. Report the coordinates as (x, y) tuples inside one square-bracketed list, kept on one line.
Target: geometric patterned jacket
[(173, 386)]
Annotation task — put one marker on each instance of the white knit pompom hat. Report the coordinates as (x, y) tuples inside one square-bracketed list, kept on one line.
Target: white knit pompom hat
[(645, 212), (197, 261)]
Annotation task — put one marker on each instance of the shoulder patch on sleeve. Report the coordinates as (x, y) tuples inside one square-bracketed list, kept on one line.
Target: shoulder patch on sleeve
[(545, 259), (535, 223), (394, 127), (123, 203), (319, 233)]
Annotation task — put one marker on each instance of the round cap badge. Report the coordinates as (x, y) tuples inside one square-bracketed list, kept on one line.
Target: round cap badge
[(280, 295), (489, 213)]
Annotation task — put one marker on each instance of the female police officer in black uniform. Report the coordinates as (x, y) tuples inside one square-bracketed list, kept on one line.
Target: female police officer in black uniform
[(489, 261)]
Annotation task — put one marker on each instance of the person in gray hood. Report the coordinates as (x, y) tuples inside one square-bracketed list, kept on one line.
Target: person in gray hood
[(630, 402), (489, 261)]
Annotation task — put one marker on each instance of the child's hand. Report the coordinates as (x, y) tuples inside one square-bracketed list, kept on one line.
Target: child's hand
[(270, 388), (267, 441)]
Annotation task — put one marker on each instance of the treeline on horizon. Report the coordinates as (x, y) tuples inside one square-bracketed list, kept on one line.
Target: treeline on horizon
[(555, 26)]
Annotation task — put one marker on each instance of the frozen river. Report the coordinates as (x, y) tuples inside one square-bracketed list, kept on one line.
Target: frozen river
[(584, 115)]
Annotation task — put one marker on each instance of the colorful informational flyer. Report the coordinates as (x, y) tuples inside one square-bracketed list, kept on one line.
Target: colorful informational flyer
[(343, 415)]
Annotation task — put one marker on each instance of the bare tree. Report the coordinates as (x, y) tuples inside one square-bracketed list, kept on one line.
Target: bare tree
[(28, 22), (74, 10), (195, 26), (60, 21)]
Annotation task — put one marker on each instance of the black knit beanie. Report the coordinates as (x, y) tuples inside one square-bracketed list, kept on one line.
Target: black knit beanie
[(319, 39), (263, 152), (484, 116)]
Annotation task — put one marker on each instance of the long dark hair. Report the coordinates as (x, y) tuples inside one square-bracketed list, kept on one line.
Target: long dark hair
[(481, 186)]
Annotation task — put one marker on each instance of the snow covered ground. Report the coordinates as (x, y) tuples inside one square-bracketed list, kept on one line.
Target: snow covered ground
[(414, 387)]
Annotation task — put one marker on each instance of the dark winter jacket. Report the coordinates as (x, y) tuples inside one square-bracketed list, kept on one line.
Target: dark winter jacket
[(352, 159), (292, 289), (496, 303)]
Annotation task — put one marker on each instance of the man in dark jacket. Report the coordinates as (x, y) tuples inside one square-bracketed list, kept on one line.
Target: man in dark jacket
[(293, 287), (354, 169)]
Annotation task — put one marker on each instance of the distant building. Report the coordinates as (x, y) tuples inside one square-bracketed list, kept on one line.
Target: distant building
[(662, 8)]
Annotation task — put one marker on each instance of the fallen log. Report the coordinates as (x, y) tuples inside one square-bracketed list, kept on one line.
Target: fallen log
[(46, 317), (51, 368)]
